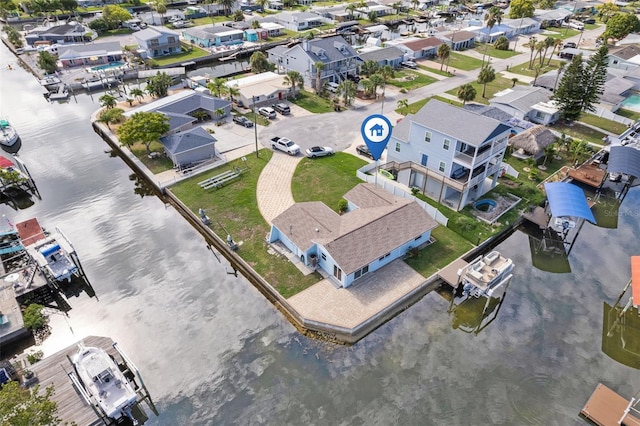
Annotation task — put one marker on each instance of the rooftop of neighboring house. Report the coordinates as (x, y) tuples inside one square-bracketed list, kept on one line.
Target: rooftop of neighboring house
[(521, 97)]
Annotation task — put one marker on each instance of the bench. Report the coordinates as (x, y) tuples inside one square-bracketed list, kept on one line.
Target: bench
[(220, 180)]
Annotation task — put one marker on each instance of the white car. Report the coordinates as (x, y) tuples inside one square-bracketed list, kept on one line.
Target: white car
[(410, 64), (319, 151)]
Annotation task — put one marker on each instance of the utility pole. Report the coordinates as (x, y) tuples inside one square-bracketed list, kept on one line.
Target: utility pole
[(255, 126)]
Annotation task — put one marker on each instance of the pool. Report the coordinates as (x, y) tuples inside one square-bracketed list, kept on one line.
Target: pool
[(632, 103), (485, 205), (107, 66)]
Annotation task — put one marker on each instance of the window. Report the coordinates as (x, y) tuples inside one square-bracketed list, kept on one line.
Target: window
[(443, 166), (446, 144), (324, 256), (337, 272), (382, 258), (417, 238), (397, 146), (171, 39), (360, 272), (539, 114), (427, 137)]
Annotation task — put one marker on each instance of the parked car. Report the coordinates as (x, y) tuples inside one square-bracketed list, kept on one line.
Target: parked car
[(590, 21), (354, 78), (282, 108), (319, 151), (410, 64), (267, 112), (363, 150), (332, 87), (457, 174), (285, 144), (570, 44), (242, 120)]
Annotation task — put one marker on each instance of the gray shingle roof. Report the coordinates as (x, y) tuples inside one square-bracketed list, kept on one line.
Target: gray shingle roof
[(458, 123), (386, 53), (153, 32), (187, 140), (93, 49), (625, 52), (195, 101), (522, 98), (357, 238)]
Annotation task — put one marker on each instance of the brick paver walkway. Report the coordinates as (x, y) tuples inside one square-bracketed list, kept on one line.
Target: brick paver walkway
[(274, 185)]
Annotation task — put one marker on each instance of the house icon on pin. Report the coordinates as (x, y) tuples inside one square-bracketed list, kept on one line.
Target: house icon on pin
[(377, 129)]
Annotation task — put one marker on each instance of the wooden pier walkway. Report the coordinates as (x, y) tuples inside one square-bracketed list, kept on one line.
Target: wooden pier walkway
[(606, 408), (53, 370)]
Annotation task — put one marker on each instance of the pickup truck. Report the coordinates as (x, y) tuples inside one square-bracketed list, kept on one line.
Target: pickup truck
[(284, 144)]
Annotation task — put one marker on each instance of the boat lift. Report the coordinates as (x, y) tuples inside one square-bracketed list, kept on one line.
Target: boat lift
[(634, 298)]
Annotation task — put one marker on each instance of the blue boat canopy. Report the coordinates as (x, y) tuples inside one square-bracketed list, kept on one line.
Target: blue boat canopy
[(624, 159), (49, 250), (566, 199)]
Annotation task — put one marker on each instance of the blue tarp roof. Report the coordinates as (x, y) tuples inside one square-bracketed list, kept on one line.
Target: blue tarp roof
[(566, 199)]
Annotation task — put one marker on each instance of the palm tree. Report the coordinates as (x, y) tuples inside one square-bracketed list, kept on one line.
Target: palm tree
[(293, 78), (548, 151), (560, 69), (372, 16), (376, 81), (515, 81), (415, 4), (493, 17), (217, 85), (350, 8), (557, 44), (161, 8), (466, 93), (443, 53), (487, 75), (536, 69), (107, 101), (531, 44), (227, 4), (137, 93), (397, 6), (548, 42), (539, 49), (319, 66), (255, 24), (233, 90), (403, 103), (347, 89), (219, 114)]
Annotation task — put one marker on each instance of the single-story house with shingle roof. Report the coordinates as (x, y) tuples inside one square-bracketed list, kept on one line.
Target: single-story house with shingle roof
[(520, 102), (458, 40), (378, 228), (191, 146), (624, 57), (90, 54), (66, 33), (423, 47), (391, 55), (265, 88)]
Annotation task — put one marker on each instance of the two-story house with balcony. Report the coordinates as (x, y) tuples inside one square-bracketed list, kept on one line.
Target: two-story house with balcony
[(213, 35), (158, 41), (451, 154), (337, 56)]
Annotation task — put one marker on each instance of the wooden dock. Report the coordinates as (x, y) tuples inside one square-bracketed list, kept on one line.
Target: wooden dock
[(606, 408), (53, 371)]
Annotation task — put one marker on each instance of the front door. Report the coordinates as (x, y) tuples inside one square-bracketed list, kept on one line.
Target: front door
[(424, 159)]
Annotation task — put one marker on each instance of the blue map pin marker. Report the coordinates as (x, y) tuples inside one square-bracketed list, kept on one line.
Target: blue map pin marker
[(376, 132)]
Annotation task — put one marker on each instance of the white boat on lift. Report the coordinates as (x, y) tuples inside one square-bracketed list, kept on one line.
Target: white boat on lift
[(104, 383), (486, 274), (9, 138)]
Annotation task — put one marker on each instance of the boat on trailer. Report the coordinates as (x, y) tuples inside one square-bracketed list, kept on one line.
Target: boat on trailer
[(52, 252), (486, 274), (105, 385), (9, 138)]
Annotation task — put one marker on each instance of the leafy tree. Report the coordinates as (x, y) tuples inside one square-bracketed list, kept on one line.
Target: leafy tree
[(487, 75), (347, 90), (161, 8), (107, 101), (521, 9), (20, 406), (545, 4), (369, 68), (539, 48), (158, 85), (99, 25), (255, 24), (466, 93), (536, 73), (568, 95), (68, 5), (502, 43), (217, 85), (372, 16), (549, 150), (606, 11), (293, 79), (621, 25), (111, 116), (319, 66), (13, 35), (443, 53), (114, 15), (145, 127), (47, 62), (259, 63), (137, 93), (33, 317), (493, 17)]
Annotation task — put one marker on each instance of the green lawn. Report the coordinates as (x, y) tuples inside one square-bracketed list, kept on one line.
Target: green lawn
[(408, 80), (326, 179), (312, 102), (497, 85), (210, 20), (234, 207), (493, 52), (415, 107), (604, 124), (447, 247), (195, 52), (524, 67), (156, 165), (436, 70), (561, 33), (463, 62), (577, 130), (628, 113)]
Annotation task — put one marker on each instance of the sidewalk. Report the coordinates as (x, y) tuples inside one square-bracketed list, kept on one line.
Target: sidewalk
[(273, 192)]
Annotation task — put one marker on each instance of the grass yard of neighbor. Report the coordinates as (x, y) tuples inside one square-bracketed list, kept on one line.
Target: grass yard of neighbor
[(312, 102)]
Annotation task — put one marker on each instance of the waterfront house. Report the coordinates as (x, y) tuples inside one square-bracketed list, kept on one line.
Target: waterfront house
[(383, 56), (335, 53), (90, 55), (262, 89), (216, 35), (158, 41), (451, 154), (378, 228), (521, 26), (551, 18), (527, 103), (299, 21), (458, 40), (418, 47), (191, 146), (183, 107), (66, 33)]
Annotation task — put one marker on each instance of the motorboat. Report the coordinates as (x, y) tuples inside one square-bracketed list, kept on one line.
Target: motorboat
[(486, 274), (104, 383), (50, 80), (52, 252), (9, 138)]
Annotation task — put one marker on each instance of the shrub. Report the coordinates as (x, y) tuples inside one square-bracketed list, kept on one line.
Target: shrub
[(502, 43), (33, 317), (343, 206), (35, 357), (415, 190)]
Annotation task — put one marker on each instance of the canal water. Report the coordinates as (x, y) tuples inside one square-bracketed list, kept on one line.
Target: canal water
[(213, 351)]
